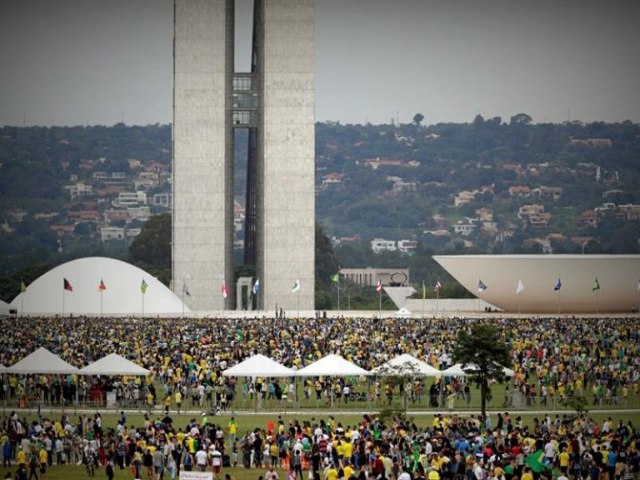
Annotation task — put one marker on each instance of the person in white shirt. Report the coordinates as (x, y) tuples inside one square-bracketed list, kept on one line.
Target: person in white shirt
[(201, 460)]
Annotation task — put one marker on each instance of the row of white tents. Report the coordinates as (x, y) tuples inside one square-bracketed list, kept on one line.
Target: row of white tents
[(42, 361), (335, 365)]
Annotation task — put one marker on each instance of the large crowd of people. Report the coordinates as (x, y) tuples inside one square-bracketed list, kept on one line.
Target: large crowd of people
[(450, 447), (554, 358)]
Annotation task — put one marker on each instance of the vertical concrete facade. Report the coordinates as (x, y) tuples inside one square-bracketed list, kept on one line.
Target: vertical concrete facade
[(286, 202), (202, 242)]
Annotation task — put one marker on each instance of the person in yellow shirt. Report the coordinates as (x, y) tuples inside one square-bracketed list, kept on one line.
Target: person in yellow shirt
[(527, 475), (43, 459), (21, 458), (332, 473), (563, 459)]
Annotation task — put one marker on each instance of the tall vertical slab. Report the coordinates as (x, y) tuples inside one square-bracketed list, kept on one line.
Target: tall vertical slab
[(202, 238), (286, 233)]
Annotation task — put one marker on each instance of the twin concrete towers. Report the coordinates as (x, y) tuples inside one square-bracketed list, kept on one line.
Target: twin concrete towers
[(275, 103)]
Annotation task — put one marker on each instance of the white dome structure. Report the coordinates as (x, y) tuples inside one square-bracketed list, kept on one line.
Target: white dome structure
[(588, 283), (122, 293)]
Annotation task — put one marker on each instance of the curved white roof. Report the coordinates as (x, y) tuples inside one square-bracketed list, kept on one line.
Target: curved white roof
[(121, 296), (618, 277)]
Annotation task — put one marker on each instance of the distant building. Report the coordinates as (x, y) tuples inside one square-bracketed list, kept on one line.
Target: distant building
[(162, 200), (381, 245), (397, 277), (111, 233), (407, 247), (519, 191), (464, 197), (464, 227), (130, 199), (591, 142)]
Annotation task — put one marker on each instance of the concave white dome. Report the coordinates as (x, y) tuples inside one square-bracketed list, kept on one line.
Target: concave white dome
[(122, 295), (618, 281)]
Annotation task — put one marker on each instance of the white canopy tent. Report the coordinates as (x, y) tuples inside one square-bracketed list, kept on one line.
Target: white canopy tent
[(331, 366), (114, 364), (406, 365), (258, 366), (42, 361), (458, 371)]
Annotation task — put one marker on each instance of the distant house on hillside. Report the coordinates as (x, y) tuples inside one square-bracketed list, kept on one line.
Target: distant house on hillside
[(382, 245), (591, 142), (377, 162), (519, 191)]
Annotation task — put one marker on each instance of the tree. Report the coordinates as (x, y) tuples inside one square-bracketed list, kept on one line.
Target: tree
[(326, 265), (520, 119), (151, 249), (483, 354), (417, 119)]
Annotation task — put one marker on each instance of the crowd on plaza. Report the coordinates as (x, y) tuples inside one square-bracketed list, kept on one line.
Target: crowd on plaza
[(497, 447), (554, 358)]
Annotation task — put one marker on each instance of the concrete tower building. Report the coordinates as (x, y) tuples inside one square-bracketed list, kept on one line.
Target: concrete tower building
[(275, 102)]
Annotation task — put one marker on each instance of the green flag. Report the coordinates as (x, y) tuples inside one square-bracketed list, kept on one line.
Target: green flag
[(596, 285), (335, 278), (143, 287), (536, 460)]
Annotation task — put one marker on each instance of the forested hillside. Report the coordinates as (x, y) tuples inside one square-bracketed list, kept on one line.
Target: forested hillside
[(387, 195)]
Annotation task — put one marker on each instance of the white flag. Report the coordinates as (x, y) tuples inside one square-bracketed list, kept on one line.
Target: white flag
[(296, 287), (519, 288)]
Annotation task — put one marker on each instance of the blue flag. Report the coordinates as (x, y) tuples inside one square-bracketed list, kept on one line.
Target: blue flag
[(558, 285)]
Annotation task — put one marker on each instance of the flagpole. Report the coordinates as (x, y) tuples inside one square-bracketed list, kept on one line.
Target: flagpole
[(380, 303), (183, 298), (437, 301), (142, 293), (338, 287), (101, 292), (22, 304), (63, 296), (558, 301)]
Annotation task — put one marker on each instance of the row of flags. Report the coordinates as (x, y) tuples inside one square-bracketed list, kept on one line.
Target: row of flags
[(557, 286), (224, 289), (482, 287)]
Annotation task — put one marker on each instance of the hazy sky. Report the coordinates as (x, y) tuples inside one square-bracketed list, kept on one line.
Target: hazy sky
[(72, 62)]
